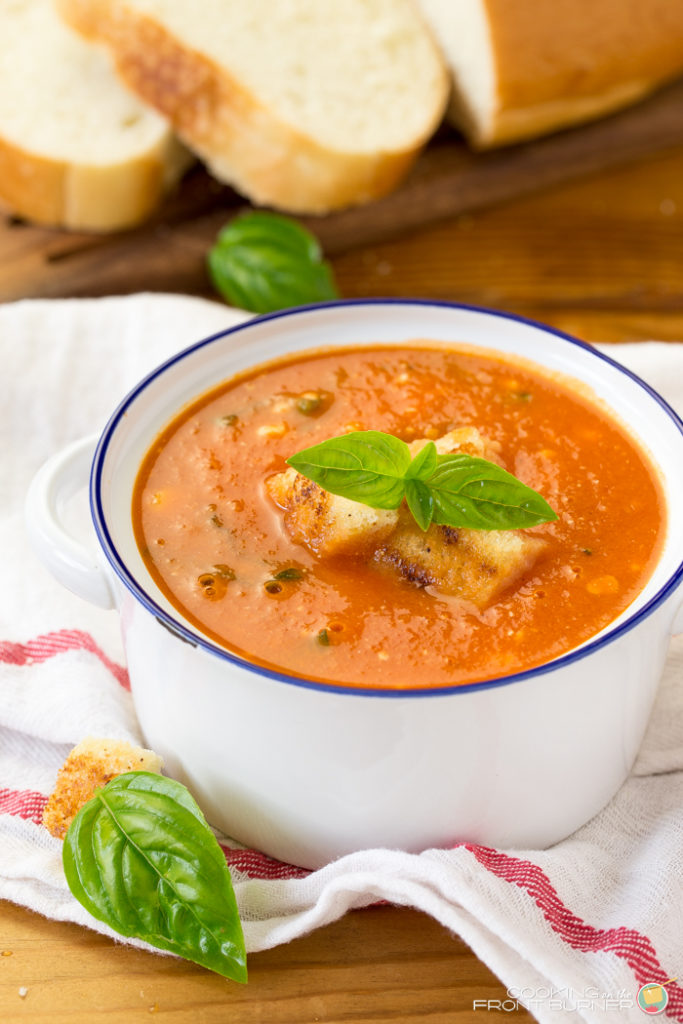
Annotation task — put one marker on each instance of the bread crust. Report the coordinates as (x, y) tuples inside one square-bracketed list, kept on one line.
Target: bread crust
[(567, 61), (242, 142), (85, 197)]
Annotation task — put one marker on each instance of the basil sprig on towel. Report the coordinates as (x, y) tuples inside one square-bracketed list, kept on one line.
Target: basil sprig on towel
[(456, 490), (264, 262), (140, 857)]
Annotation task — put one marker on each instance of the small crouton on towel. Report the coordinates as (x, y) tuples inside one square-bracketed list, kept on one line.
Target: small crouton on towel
[(89, 766)]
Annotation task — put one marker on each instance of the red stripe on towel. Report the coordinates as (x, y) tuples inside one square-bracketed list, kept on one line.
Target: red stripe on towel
[(626, 943), (41, 648), (258, 865), (29, 804), (23, 803)]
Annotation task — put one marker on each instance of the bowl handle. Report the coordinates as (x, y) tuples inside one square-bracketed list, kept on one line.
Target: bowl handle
[(69, 561)]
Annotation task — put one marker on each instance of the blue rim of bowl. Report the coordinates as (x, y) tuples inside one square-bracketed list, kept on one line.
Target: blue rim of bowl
[(184, 632)]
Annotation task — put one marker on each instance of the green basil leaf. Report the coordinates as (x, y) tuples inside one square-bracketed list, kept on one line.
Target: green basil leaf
[(424, 463), (140, 857), (252, 227), (476, 494), (420, 502), (264, 262), (366, 466), (457, 490)]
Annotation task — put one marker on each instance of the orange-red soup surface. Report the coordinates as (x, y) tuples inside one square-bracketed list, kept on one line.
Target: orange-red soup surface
[(214, 542)]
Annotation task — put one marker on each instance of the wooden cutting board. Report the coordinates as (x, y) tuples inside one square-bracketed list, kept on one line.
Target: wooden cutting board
[(168, 253)]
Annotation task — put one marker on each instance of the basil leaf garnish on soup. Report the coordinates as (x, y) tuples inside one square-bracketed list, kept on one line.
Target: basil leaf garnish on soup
[(366, 466), (140, 857), (457, 490), (475, 493), (264, 262)]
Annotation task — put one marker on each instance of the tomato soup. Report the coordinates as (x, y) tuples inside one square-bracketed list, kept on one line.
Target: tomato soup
[(215, 543)]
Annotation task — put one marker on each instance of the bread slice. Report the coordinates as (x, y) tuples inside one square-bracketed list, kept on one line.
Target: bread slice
[(89, 766), (302, 105), (522, 68), (77, 149)]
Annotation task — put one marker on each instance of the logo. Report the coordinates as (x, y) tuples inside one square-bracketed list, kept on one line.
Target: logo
[(653, 998)]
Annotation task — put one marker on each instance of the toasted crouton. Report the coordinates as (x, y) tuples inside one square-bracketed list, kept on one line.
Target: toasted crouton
[(324, 522), (89, 766), (467, 440), (330, 525), (475, 565)]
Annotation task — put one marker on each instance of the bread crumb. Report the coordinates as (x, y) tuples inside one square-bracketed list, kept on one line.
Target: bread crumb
[(603, 585), (272, 430)]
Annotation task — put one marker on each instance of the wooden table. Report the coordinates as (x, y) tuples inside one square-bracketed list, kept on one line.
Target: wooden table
[(602, 258)]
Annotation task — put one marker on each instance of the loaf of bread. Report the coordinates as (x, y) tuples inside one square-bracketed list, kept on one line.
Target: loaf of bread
[(302, 105), (89, 766), (77, 148), (522, 68)]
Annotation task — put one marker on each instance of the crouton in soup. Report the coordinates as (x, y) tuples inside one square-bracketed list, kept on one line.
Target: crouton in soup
[(275, 568)]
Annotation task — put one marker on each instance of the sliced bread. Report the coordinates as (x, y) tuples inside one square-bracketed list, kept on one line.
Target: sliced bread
[(302, 105), (526, 67), (77, 148)]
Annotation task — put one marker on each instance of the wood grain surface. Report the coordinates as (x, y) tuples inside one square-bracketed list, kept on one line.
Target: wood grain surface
[(376, 965), (449, 180), (602, 258)]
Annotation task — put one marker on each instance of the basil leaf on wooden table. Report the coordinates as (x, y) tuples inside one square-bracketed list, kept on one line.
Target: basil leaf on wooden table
[(140, 857), (458, 490), (264, 262)]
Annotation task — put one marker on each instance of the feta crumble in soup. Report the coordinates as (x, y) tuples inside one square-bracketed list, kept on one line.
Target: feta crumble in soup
[(278, 570)]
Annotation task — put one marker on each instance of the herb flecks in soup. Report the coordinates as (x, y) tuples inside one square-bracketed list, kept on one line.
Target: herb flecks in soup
[(220, 534)]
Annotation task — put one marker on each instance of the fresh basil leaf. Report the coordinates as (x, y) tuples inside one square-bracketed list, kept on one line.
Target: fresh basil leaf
[(424, 463), (366, 466), (456, 490), (420, 502), (264, 262), (140, 857), (252, 227), (476, 494)]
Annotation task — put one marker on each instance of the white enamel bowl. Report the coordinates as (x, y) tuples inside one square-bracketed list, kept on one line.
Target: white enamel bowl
[(307, 772)]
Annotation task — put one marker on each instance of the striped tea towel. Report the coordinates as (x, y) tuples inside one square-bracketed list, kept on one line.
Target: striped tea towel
[(578, 928)]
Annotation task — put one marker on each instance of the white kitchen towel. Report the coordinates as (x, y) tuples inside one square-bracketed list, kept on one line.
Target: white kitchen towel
[(577, 928)]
